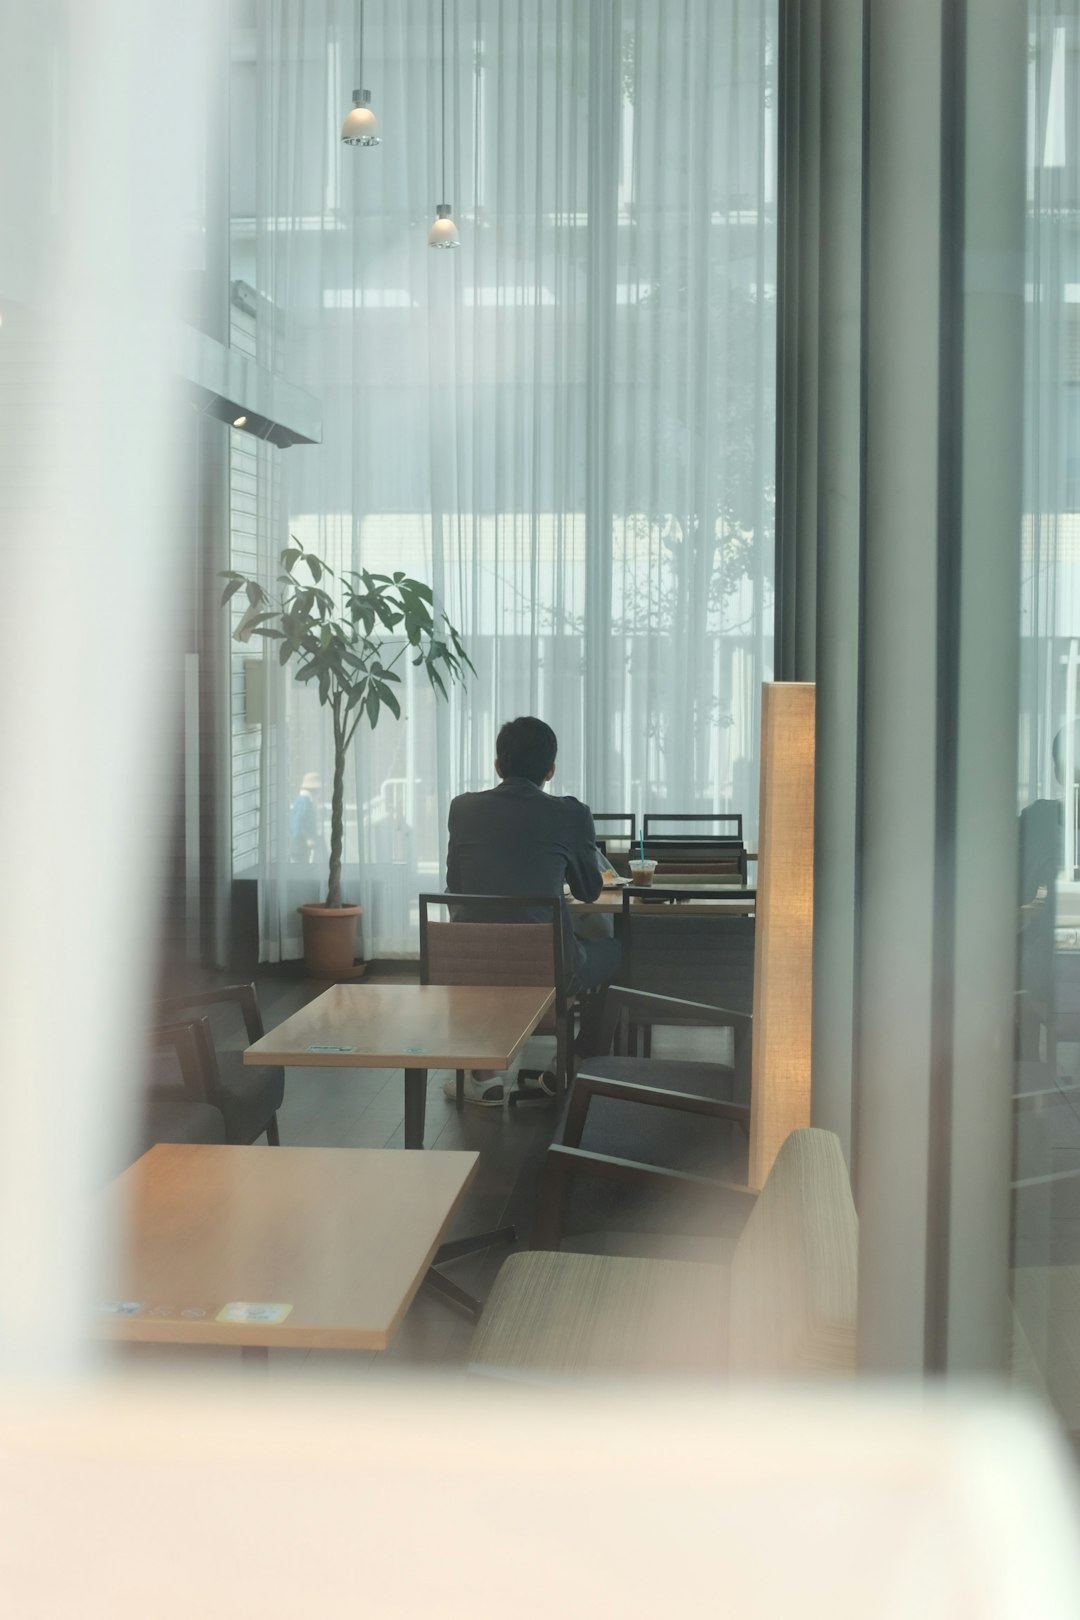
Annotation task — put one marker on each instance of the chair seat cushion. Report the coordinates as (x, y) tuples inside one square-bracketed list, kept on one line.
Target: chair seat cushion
[(558, 1314), (249, 1096)]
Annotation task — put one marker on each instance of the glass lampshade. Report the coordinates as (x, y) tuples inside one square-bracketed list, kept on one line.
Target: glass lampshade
[(361, 127), (444, 233)]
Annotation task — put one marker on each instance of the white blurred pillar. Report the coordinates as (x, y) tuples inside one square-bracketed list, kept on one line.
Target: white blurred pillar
[(92, 258)]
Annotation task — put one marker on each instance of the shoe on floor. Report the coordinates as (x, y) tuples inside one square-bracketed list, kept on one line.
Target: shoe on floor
[(484, 1087), (536, 1087)]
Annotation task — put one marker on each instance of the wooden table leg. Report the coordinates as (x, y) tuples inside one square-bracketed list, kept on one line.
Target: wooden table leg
[(415, 1103)]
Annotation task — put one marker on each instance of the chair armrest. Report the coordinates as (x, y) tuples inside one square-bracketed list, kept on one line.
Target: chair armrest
[(646, 1007), (243, 994), (188, 1045), (587, 1086), (562, 1163)]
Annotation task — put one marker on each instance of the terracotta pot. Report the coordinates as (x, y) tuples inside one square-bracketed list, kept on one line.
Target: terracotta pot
[(330, 941)]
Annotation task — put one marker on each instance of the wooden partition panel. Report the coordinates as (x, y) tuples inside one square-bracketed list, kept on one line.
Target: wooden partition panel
[(783, 952)]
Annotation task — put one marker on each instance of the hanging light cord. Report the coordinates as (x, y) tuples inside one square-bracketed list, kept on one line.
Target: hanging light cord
[(443, 99), (361, 45)]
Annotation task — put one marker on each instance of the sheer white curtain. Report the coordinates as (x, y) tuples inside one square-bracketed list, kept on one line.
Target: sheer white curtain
[(566, 425)]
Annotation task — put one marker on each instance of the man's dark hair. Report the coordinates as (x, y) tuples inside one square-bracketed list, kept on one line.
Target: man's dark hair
[(526, 747)]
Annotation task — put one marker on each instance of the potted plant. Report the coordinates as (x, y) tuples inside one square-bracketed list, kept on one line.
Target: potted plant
[(346, 631)]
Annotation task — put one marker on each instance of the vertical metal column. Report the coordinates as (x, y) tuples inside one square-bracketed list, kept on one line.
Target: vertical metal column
[(787, 335), (800, 101), (902, 771), (812, 101), (972, 1335), (215, 664), (939, 629), (839, 410), (605, 91)]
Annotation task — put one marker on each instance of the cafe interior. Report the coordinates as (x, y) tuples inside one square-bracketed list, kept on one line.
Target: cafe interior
[(652, 1128)]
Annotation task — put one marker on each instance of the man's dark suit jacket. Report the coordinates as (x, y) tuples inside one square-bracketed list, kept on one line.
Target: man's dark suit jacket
[(517, 839)]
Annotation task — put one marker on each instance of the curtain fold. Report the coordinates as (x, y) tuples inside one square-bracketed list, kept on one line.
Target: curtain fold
[(565, 425)]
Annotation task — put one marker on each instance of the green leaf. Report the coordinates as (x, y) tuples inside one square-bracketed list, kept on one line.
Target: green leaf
[(373, 708), (390, 699), (315, 567), (285, 652), (290, 557), (231, 589)]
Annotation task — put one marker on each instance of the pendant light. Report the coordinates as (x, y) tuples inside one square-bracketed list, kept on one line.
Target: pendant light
[(444, 233), (361, 127)]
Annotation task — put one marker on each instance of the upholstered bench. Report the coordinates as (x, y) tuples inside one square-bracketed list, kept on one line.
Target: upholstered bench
[(781, 1298)]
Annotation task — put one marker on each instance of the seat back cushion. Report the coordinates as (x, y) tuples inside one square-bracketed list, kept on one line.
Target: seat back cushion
[(516, 953), (249, 1096), (794, 1271)]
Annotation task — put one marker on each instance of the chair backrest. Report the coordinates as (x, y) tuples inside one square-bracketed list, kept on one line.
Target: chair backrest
[(794, 1271), (669, 951), (702, 855), (727, 824), (482, 950), (617, 825)]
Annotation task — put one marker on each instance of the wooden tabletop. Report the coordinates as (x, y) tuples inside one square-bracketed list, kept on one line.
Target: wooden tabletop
[(407, 1026), (730, 901), (341, 1236)]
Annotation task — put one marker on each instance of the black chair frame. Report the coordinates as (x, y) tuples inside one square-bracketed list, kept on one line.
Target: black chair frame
[(242, 995), (651, 818), (628, 817), (626, 1034), (188, 1042), (566, 1158)]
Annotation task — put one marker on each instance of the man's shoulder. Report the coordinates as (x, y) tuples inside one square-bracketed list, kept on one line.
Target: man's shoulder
[(573, 807), (464, 803)]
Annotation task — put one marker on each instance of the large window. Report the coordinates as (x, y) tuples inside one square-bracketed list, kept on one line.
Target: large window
[(566, 425), (1046, 1189)]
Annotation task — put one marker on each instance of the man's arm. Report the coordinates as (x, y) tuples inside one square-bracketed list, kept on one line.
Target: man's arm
[(583, 867), (453, 885)]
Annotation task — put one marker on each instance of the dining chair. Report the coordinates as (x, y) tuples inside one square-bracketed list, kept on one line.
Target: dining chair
[(700, 856), (248, 1097), (504, 940), (719, 853), (775, 1289), (176, 1105), (669, 951)]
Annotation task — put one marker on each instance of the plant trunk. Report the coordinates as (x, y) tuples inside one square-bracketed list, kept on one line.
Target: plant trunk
[(337, 823)]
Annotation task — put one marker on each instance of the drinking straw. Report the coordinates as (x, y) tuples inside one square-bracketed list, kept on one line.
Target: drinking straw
[(641, 846)]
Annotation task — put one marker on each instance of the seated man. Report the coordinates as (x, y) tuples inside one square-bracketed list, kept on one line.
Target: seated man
[(517, 839)]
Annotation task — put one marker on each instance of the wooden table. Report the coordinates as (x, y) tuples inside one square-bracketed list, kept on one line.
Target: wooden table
[(414, 1027), (731, 900), (343, 1237)]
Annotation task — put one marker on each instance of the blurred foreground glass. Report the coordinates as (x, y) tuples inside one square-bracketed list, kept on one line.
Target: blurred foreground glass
[(101, 224), (851, 1506)]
